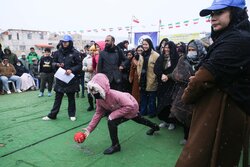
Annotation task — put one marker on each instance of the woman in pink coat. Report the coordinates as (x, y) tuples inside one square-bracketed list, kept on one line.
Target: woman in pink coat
[(119, 107), (98, 46)]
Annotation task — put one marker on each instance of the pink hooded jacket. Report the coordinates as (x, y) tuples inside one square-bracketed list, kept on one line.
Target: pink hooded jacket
[(118, 104), (95, 59)]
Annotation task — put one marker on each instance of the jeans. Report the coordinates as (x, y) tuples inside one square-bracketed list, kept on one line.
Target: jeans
[(14, 78), (148, 102)]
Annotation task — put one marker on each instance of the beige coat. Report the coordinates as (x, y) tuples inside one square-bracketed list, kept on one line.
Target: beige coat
[(151, 77)]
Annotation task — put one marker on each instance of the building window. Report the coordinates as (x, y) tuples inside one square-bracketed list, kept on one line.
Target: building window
[(22, 47), (41, 36), (10, 37), (29, 35), (17, 36)]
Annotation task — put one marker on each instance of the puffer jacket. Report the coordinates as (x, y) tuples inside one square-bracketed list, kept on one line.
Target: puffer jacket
[(115, 103), (72, 61)]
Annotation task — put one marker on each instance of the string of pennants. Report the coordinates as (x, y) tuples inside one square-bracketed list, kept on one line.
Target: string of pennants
[(185, 23), (161, 26)]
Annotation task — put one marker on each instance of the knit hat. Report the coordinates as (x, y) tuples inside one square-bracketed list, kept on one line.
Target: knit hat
[(221, 4)]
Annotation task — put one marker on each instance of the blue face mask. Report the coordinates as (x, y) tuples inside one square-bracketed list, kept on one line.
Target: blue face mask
[(192, 55)]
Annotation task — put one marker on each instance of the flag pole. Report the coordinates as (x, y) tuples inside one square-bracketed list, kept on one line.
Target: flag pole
[(159, 32), (131, 27)]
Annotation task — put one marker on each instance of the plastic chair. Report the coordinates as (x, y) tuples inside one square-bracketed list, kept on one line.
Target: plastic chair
[(13, 85), (37, 82)]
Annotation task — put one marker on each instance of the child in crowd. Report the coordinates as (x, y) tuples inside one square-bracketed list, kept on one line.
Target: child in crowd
[(46, 72)]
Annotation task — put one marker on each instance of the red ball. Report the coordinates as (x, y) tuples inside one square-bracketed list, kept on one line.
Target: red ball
[(79, 137)]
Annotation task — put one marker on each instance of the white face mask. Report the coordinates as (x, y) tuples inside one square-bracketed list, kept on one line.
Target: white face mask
[(192, 54)]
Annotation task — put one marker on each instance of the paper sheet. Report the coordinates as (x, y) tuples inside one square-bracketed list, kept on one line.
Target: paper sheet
[(60, 74)]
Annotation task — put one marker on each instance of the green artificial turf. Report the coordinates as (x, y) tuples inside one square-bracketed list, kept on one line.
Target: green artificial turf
[(28, 141)]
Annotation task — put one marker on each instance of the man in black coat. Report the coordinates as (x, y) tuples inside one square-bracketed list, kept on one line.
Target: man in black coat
[(109, 63), (68, 58)]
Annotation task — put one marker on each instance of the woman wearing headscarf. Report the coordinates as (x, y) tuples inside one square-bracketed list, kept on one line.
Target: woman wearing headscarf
[(161, 45), (96, 48), (186, 67), (147, 78), (125, 70), (27, 81), (164, 66), (220, 91), (133, 74)]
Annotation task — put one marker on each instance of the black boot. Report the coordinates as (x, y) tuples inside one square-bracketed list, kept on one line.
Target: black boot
[(141, 120), (90, 100), (90, 108), (152, 130), (112, 149)]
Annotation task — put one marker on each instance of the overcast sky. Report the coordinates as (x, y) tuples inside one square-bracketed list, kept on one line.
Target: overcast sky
[(76, 15)]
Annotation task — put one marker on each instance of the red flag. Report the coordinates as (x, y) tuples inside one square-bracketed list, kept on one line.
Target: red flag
[(135, 20)]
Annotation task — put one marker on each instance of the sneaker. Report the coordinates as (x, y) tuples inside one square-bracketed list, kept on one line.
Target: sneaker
[(49, 94), (72, 118), (163, 125), (183, 142), (8, 92), (46, 118), (18, 90), (171, 127), (40, 94)]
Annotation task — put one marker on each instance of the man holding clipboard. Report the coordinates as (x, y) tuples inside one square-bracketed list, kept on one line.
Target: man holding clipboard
[(68, 63)]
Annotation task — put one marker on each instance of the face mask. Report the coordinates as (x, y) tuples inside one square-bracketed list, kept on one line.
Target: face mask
[(18, 64), (192, 54), (97, 95)]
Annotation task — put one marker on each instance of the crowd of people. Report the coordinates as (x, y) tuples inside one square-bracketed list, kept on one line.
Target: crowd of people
[(22, 71), (202, 87)]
